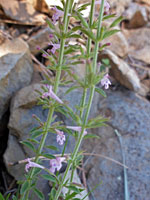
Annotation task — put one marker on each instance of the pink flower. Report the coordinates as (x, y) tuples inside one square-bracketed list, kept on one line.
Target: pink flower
[(32, 164), (105, 81), (51, 94), (77, 128), (57, 14), (60, 137), (106, 4), (54, 48), (56, 164)]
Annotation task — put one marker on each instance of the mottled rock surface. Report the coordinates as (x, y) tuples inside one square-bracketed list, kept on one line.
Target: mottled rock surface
[(15, 70), (128, 114)]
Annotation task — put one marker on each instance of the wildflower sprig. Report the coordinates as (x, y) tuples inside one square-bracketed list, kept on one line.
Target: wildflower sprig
[(63, 56)]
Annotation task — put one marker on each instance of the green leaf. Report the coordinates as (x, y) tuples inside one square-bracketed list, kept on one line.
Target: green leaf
[(71, 89), (74, 36), (68, 197), (24, 187), (108, 16), (36, 134), (28, 144), (109, 33), (83, 21), (14, 198), (1, 197), (49, 178), (53, 193), (52, 147), (7, 198), (39, 193), (116, 21), (90, 136), (100, 91), (83, 7), (49, 156), (106, 61), (73, 188)]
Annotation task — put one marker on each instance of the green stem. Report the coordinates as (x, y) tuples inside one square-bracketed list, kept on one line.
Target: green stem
[(51, 111), (92, 90)]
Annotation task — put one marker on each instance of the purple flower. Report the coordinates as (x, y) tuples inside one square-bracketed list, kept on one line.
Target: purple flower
[(106, 4), (51, 35), (55, 47), (38, 48), (77, 128), (57, 14), (32, 164), (51, 94), (60, 137), (105, 81), (56, 164)]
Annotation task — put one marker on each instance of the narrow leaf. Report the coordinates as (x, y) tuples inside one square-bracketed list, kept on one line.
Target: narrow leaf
[(39, 193), (116, 21), (109, 33), (100, 91), (49, 178), (24, 187)]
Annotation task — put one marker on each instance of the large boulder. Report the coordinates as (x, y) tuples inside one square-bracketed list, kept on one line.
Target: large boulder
[(23, 106), (129, 114), (15, 70)]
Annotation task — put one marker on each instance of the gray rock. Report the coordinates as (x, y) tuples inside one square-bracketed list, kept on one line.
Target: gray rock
[(129, 114), (139, 43), (137, 16), (23, 106), (15, 70), (119, 44), (122, 72), (41, 38)]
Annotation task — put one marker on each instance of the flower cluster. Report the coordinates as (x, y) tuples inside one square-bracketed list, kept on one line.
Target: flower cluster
[(105, 81), (60, 137), (56, 164)]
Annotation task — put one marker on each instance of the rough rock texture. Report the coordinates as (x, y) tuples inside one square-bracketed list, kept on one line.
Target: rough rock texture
[(128, 114), (139, 43), (15, 70), (122, 72), (119, 44), (137, 16), (40, 39), (23, 106)]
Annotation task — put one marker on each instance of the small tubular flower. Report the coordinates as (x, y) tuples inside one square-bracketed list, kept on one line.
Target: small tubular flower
[(106, 4), (54, 48), (105, 81), (32, 164), (57, 14), (77, 128), (51, 94), (60, 137), (56, 164)]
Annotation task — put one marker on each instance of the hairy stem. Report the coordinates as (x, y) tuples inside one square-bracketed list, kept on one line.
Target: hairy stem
[(92, 90), (51, 110)]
